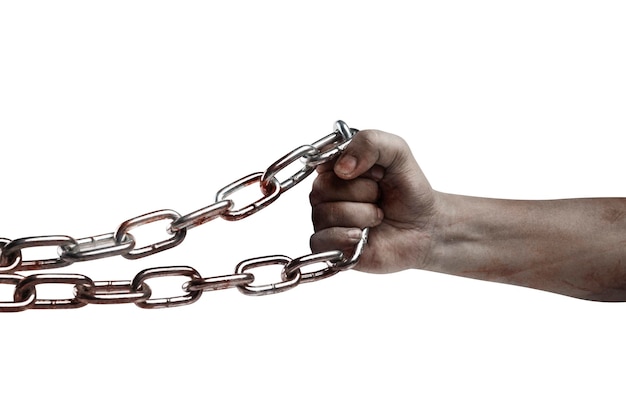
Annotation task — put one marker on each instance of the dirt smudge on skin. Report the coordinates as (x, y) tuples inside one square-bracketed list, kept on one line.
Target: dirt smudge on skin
[(613, 215)]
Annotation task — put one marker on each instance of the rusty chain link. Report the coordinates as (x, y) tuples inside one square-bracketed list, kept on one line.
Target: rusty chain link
[(122, 242)]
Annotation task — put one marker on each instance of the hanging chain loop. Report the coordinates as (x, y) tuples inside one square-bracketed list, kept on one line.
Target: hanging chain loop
[(121, 242)]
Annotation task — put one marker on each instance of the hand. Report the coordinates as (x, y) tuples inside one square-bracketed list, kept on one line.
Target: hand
[(375, 183)]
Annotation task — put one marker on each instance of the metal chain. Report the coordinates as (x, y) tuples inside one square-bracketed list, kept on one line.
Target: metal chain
[(122, 242)]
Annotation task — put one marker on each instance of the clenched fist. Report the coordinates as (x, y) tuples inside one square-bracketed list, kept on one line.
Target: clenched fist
[(375, 183)]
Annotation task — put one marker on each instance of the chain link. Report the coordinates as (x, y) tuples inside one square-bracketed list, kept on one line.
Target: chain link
[(286, 281), (122, 242), (122, 233), (97, 247), (27, 287), (14, 249), (7, 262), (112, 292), (190, 296), (270, 194), (201, 216), (285, 161), (329, 147), (12, 306)]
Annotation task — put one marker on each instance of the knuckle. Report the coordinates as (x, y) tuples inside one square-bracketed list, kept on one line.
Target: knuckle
[(374, 216), (364, 141), (313, 198), (372, 139), (345, 214), (329, 239), (315, 218), (322, 215), (369, 136), (320, 242), (314, 242)]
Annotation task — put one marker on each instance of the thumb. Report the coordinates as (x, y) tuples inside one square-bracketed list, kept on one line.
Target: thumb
[(368, 148)]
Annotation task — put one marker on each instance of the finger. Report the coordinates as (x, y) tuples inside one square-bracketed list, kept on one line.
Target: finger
[(369, 148), (329, 187), (346, 214), (336, 238), (376, 173)]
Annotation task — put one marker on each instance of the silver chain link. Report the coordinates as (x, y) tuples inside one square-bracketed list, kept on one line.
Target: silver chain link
[(122, 242)]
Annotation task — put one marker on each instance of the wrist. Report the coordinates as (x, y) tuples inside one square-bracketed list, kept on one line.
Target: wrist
[(461, 228), (433, 235), (437, 231)]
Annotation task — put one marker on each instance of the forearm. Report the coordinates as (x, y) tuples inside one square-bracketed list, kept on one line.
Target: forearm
[(574, 247)]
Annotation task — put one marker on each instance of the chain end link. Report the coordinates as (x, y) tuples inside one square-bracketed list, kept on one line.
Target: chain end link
[(356, 255)]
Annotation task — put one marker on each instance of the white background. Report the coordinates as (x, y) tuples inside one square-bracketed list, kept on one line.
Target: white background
[(113, 109)]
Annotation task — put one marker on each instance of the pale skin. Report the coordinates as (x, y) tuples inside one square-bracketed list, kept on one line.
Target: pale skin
[(574, 247)]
